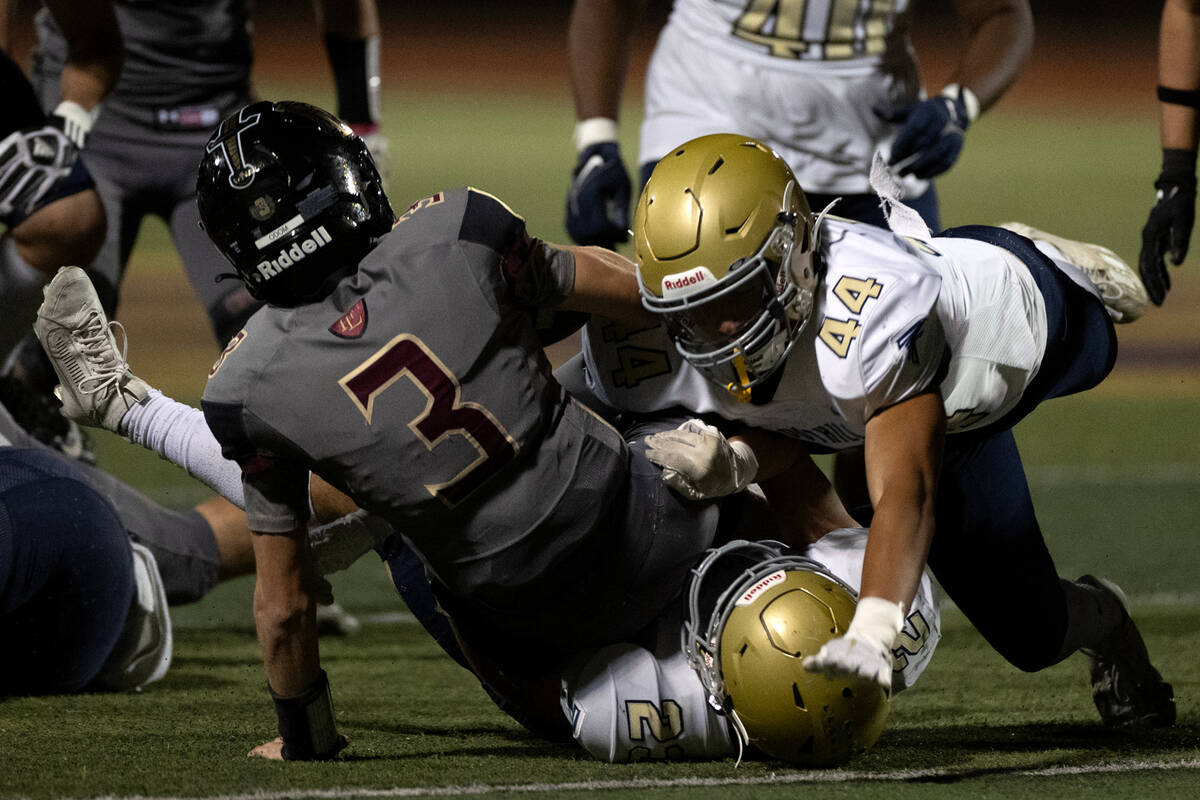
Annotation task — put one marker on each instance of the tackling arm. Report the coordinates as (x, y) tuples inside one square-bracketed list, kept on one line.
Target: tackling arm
[(903, 457), (606, 284)]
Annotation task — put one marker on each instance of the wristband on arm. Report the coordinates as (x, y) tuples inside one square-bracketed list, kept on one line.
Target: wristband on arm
[(1179, 97), (970, 102), (306, 722), (594, 130)]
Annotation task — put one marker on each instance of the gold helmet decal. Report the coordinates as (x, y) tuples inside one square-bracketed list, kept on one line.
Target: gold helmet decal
[(229, 140)]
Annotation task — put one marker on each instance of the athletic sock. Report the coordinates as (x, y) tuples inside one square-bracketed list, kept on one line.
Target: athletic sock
[(178, 433), (1093, 614)]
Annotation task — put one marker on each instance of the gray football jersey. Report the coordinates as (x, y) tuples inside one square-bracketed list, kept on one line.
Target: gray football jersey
[(419, 388), (178, 53)]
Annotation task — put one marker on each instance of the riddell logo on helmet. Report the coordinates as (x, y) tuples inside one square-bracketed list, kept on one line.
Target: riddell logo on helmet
[(685, 280), (297, 252), (761, 586)]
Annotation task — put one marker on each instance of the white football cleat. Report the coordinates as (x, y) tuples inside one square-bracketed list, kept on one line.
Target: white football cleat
[(1119, 286), (333, 620), (96, 387)]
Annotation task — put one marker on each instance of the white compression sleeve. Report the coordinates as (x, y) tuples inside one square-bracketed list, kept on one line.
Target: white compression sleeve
[(178, 433)]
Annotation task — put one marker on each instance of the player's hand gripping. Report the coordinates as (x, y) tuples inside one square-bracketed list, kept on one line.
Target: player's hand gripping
[(598, 200), (1169, 228), (865, 649), (33, 159), (931, 133), (698, 462)]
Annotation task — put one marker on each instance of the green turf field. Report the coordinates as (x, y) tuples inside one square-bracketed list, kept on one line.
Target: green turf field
[(1116, 476)]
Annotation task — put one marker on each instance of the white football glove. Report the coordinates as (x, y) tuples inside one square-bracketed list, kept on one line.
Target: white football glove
[(34, 159), (865, 650), (699, 462), (340, 543)]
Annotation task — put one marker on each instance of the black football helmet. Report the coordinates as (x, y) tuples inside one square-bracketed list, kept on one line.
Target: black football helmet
[(292, 198)]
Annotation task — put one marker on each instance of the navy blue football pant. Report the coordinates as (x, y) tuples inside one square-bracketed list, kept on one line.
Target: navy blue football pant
[(988, 552), (66, 576)]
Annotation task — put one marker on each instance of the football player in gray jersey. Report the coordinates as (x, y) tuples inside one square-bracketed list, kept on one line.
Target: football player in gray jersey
[(186, 67), (398, 358), (50, 213)]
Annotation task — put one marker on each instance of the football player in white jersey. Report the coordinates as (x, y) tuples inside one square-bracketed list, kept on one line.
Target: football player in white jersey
[(642, 701), (925, 349), (826, 83)]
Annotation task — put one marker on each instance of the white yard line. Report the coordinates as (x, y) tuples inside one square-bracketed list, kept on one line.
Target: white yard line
[(813, 777)]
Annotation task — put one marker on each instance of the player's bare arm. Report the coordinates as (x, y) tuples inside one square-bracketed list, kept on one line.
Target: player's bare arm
[(95, 50), (284, 610), (1179, 68), (999, 37), (606, 284), (903, 452), (598, 42)]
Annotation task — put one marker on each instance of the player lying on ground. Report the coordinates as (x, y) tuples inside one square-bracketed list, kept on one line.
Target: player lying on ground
[(648, 683), (927, 350), (399, 359), (174, 558), (633, 699)]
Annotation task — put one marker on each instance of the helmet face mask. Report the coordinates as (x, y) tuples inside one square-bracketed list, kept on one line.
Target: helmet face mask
[(291, 197), (724, 247), (773, 608)]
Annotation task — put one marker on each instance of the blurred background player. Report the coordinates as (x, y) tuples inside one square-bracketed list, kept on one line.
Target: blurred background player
[(186, 67), (50, 213), (1169, 227), (823, 83)]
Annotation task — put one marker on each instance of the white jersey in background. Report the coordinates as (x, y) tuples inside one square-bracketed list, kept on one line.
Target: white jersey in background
[(891, 315), (629, 703), (802, 75)]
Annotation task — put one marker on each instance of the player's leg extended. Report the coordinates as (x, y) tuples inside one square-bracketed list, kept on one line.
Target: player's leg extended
[(67, 575), (990, 557)]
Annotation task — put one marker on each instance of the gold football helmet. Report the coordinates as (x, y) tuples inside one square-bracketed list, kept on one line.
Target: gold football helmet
[(724, 242), (775, 608)]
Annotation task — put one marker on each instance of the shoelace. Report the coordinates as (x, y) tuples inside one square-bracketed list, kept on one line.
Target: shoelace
[(94, 344)]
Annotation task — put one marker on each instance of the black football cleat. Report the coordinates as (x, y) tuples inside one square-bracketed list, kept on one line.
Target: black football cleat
[(1128, 691)]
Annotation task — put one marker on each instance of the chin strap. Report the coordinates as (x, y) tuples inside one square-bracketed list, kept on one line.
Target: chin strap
[(743, 390), (743, 738)]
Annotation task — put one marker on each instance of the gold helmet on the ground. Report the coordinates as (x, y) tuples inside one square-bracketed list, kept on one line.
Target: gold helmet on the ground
[(724, 237), (775, 608)]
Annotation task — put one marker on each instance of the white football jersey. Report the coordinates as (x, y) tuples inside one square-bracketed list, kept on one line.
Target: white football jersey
[(630, 703), (801, 75), (834, 31), (890, 316)]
